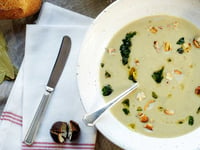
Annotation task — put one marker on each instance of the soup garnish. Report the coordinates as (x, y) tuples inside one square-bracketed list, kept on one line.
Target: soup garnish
[(162, 54)]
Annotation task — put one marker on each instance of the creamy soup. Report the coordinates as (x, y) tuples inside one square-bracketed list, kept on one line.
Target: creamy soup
[(162, 54)]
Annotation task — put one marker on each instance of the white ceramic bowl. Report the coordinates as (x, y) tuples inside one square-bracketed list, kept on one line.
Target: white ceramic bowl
[(110, 21)]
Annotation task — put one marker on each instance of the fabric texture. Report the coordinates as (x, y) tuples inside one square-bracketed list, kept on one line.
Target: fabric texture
[(42, 45)]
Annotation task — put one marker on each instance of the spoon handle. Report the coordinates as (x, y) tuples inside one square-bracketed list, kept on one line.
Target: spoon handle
[(91, 118)]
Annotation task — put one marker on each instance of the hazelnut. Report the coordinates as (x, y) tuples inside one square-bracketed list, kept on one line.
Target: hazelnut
[(59, 131), (74, 130)]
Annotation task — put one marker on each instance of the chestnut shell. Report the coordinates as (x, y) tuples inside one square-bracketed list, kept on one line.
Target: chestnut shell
[(59, 131)]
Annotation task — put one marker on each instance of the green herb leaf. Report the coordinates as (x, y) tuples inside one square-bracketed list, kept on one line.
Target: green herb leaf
[(158, 75), (107, 74), (130, 35), (139, 108), (126, 111), (181, 41), (160, 108), (126, 102), (107, 90), (169, 60), (180, 122), (126, 42), (154, 95), (124, 60), (190, 120), (131, 77), (132, 125), (198, 110), (180, 50), (102, 65), (125, 47)]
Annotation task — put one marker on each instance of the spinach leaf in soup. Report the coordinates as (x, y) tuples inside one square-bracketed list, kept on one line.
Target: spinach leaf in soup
[(125, 47), (158, 75), (190, 120), (107, 90), (181, 41)]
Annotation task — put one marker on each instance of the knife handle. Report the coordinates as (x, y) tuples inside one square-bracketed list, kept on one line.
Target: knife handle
[(33, 128)]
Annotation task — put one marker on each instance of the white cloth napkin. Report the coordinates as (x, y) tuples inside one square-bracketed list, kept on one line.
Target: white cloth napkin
[(42, 44)]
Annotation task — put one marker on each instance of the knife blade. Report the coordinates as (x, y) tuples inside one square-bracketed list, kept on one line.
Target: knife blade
[(52, 82)]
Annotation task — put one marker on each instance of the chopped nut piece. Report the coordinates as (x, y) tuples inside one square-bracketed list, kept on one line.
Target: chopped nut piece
[(149, 126), (156, 46), (144, 118), (139, 114), (153, 29), (167, 47), (175, 24), (178, 72), (196, 41), (137, 62), (140, 96), (169, 112), (169, 76), (197, 90), (187, 47), (111, 51), (133, 74), (148, 104)]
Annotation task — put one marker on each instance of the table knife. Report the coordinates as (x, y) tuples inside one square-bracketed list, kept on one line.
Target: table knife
[(53, 79)]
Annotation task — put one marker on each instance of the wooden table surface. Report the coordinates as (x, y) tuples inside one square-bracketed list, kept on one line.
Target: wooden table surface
[(89, 8)]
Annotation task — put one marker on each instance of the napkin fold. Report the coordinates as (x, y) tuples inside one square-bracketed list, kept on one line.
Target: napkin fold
[(42, 45)]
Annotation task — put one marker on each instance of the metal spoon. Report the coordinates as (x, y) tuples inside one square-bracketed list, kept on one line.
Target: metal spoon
[(91, 118)]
